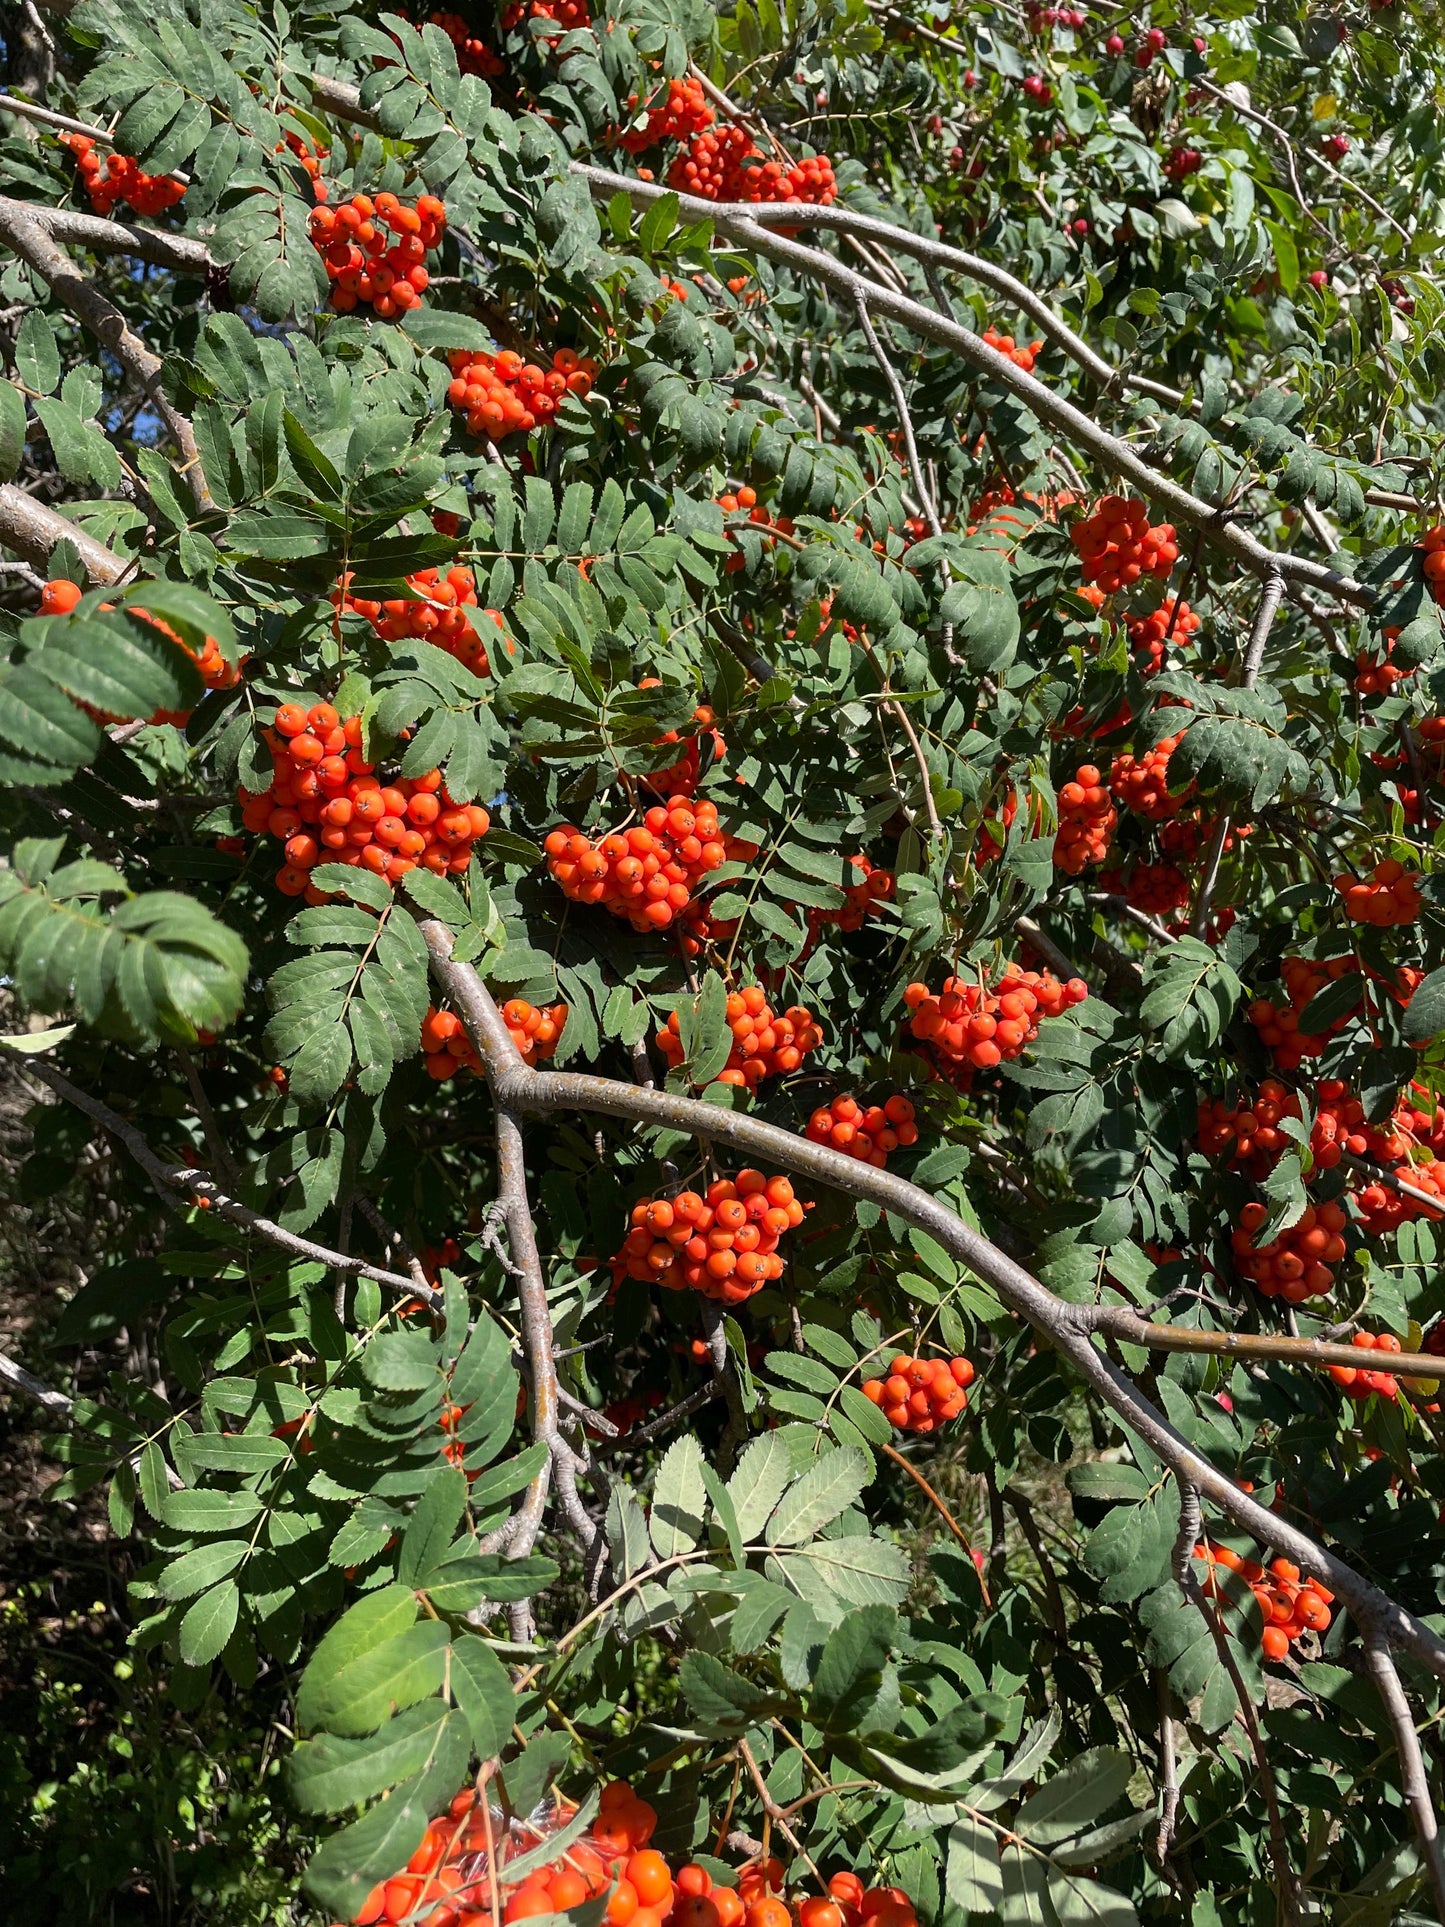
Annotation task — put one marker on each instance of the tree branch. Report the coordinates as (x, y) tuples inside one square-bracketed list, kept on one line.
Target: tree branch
[(1414, 1783), (179, 1184), (1066, 1326), (158, 246), (31, 530), (18, 1379)]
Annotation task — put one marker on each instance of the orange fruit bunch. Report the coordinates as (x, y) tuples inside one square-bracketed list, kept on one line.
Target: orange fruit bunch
[(1152, 634), (363, 267), (681, 778), (764, 1044), (120, 179), (1278, 1024), (1087, 820), (1157, 888), (675, 113), (1298, 1264), (503, 394), (1291, 1607), (438, 618), (1432, 542), (918, 1394), (1389, 895), (1378, 678), (311, 162), (1383, 1209), (1117, 546), (325, 804), (567, 14), (1141, 783), (725, 164), (744, 501), (1358, 1380), (724, 1245), (58, 597), (966, 1023), (648, 873), (473, 56), (1020, 355), (866, 1134), (1248, 1131)]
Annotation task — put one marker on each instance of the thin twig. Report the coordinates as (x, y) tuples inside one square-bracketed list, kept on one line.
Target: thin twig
[(18, 1379), (892, 1452), (1414, 1783)]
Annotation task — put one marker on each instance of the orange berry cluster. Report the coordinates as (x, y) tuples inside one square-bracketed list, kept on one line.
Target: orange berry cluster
[(1290, 1607), (680, 778), (724, 1245), (1173, 621), (1357, 1380), (920, 1393), (310, 160), (764, 1045), (1021, 355), (1087, 820), (1298, 1263), (866, 1134), (326, 806), (1374, 678), (675, 113), (363, 267), (1158, 888), (874, 886), (1250, 1131), (1384, 1209), (969, 1024), (448, 1049), (58, 597), (503, 394), (1278, 1025), (1141, 783), (473, 56), (1116, 545), (760, 516), (725, 164), (1420, 1116), (120, 179), (1432, 542), (438, 618), (567, 14), (454, 1450), (646, 874), (1389, 895)]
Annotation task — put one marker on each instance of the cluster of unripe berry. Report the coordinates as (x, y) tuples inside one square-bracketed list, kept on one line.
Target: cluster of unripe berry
[(1298, 1264), (725, 164), (59, 596), (1022, 355), (724, 1245), (646, 874), (764, 1044), (1087, 820), (1358, 1380), (503, 394), (919, 1394), (675, 113), (868, 1134), (1173, 621), (366, 269), (1117, 546), (969, 1024), (325, 804), (438, 616), (1389, 895), (120, 178), (1291, 1606)]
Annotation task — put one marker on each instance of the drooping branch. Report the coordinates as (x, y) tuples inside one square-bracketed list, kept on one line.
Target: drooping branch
[(36, 246), (180, 1185), (16, 1378), (1414, 1782), (1067, 1327), (31, 530)]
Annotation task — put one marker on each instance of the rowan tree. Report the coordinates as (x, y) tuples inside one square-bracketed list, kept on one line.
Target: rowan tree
[(723, 734)]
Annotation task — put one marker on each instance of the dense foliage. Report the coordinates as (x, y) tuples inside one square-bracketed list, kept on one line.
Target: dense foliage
[(722, 734)]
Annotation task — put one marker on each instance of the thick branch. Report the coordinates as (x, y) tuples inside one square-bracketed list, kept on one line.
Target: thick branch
[(33, 242), (29, 529), (1065, 1326), (1118, 1322), (1414, 1783), (71, 228), (180, 1184)]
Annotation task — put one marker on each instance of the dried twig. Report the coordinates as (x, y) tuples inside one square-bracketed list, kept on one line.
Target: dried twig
[(1414, 1783)]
